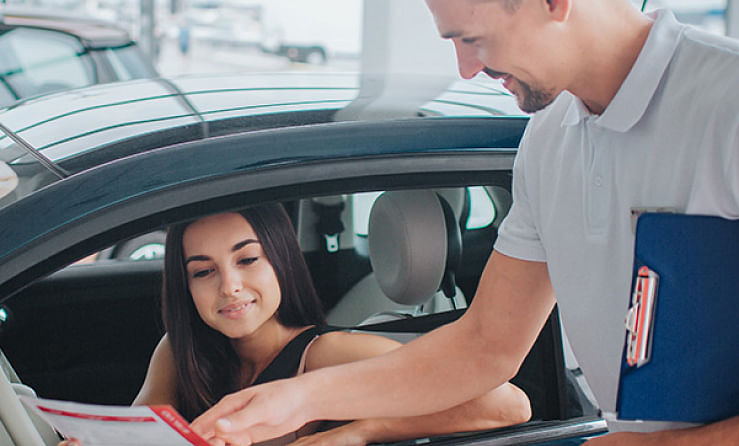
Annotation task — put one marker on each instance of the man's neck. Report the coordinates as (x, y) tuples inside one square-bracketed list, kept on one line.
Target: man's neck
[(612, 43)]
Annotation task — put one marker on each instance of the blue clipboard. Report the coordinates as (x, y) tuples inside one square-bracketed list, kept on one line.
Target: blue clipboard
[(690, 372)]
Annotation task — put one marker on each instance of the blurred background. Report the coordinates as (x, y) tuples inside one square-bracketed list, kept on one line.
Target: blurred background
[(207, 36)]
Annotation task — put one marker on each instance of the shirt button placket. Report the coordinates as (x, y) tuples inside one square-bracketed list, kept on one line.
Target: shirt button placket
[(597, 192)]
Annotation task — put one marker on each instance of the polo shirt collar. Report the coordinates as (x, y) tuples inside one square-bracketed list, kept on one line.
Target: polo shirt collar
[(632, 99)]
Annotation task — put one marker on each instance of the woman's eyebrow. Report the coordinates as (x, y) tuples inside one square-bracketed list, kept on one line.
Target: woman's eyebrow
[(196, 258), (243, 243), (236, 247)]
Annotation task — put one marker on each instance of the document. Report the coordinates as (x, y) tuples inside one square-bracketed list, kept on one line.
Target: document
[(99, 425)]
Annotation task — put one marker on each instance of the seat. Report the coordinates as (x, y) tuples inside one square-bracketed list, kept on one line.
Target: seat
[(414, 248), (19, 425)]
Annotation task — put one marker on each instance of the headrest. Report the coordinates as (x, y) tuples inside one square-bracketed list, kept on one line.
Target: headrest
[(456, 197), (414, 245)]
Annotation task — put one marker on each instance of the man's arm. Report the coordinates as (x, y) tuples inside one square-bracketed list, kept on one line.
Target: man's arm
[(721, 433), (452, 364), (504, 406)]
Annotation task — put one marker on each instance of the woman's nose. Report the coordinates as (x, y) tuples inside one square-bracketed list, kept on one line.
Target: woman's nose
[(230, 282)]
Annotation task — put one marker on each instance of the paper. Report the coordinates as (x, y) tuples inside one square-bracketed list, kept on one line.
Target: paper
[(99, 425)]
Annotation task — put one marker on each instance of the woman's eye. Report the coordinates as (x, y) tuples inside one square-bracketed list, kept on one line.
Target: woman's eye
[(248, 260), (201, 273)]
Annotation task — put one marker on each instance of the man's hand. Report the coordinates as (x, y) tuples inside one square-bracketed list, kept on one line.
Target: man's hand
[(254, 414)]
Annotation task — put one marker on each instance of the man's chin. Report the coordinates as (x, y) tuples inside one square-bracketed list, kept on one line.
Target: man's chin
[(531, 107), (531, 101)]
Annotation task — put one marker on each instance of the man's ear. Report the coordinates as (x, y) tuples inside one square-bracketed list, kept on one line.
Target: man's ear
[(559, 10)]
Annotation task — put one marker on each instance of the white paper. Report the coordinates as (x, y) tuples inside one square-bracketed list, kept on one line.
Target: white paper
[(99, 425)]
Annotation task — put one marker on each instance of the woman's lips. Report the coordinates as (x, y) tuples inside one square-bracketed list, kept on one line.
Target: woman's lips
[(236, 310)]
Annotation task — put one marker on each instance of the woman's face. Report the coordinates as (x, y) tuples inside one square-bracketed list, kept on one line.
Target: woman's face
[(233, 285)]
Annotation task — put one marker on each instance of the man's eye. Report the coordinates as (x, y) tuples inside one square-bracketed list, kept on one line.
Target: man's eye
[(248, 260), (470, 40)]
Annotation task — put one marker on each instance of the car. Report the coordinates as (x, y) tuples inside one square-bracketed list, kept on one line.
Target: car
[(286, 32), (42, 51), (89, 169)]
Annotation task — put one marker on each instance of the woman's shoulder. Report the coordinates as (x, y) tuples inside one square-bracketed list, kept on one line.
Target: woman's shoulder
[(160, 382), (163, 353), (339, 347)]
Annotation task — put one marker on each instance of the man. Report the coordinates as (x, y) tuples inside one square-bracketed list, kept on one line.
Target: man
[(634, 113)]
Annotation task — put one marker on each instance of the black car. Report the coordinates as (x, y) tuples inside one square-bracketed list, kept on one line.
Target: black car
[(89, 169), (45, 51)]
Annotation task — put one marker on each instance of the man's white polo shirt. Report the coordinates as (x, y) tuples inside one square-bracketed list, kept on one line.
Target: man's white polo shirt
[(669, 139)]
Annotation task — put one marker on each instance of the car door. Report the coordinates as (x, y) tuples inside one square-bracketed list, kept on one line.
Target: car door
[(104, 314)]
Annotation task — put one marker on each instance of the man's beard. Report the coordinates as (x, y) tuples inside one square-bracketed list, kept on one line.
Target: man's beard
[(530, 100)]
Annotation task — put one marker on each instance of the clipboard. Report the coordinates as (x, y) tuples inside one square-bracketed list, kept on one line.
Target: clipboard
[(685, 367)]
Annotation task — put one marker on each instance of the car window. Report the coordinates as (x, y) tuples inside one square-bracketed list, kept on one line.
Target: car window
[(148, 246), (35, 61), (128, 63), (6, 94), (482, 210)]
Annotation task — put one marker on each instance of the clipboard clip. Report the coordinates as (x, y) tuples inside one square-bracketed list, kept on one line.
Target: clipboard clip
[(640, 318)]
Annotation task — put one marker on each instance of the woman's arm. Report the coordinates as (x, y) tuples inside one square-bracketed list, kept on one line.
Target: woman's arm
[(160, 384), (502, 406)]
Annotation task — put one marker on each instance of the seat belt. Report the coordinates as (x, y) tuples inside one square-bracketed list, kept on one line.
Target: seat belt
[(329, 225), (418, 324)]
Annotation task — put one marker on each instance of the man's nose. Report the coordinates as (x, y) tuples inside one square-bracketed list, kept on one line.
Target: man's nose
[(467, 61)]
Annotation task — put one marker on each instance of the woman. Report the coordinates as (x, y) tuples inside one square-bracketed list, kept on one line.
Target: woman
[(239, 308)]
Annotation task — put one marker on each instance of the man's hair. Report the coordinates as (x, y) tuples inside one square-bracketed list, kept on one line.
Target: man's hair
[(510, 6)]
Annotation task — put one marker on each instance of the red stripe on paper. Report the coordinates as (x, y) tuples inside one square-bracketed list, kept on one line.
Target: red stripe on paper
[(175, 420), (87, 416)]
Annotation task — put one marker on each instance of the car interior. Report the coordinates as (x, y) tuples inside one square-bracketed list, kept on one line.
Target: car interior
[(398, 263)]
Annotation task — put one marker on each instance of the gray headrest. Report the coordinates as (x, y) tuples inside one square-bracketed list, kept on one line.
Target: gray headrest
[(408, 244)]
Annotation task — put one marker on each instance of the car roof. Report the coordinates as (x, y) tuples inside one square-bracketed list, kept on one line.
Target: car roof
[(94, 33), (65, 124), (76, 130)]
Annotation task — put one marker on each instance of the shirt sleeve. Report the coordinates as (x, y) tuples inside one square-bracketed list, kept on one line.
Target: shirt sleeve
[(518, 235)]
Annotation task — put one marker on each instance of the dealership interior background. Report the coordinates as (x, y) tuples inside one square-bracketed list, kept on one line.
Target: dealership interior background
[(207, 36)]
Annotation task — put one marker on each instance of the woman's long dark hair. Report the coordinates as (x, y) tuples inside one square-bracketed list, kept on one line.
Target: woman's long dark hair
[(207, 365)]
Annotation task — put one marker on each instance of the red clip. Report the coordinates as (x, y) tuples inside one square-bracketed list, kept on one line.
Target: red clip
[(639, 319)]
